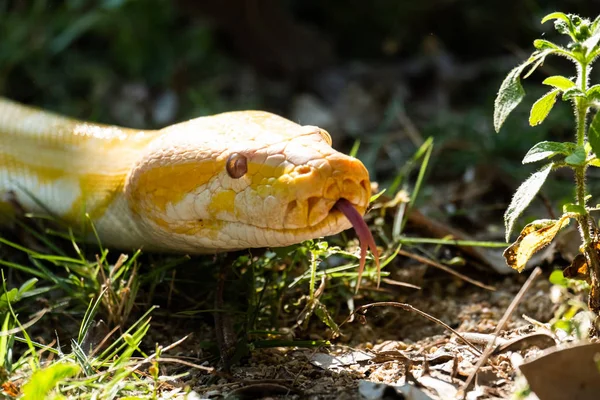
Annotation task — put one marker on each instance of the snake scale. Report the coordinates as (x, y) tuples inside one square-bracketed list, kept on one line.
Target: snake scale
[(230, 181)]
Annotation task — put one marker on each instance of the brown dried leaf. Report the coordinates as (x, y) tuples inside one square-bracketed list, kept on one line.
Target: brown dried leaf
[(11, 389), (578, 269), (533, 237)]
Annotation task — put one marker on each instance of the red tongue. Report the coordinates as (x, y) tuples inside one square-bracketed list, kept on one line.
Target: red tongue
[(364, 236)]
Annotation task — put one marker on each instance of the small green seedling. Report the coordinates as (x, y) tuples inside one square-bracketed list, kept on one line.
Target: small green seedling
[(584, 152)]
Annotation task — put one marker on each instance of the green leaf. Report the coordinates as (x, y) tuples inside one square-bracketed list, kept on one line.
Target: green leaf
[(557, 278), (542, 44), (376, 196), (591, 43), (537, 59), (325, 317), (572, 93), (44, 380), (542, 107), (577, 157), (563, 325), (6, 342), (523, 196), (509, 96), (556, 15), (596, 24), (559, 82), (574, 208), (511, 91), (594, 162), (593, 93), (27, 286), (545, 150), (594, 134)]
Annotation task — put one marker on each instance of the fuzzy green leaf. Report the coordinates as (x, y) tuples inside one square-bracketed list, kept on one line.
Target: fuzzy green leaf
[(542, 107), (593, 93), (559, 82), (574, 208), (577, 157), (544, 150), (509, 96), (523, 196), (511, 91), (594, 134), (572, 93), (542, 44), (596, 24), (594, 162), (591, 43), (43, 381), (557, 15), (537, 59)]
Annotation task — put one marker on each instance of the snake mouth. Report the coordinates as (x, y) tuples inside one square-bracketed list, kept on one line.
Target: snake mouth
[(364, 236)]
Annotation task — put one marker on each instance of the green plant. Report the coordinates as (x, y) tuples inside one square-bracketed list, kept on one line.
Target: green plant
[(582, 50)]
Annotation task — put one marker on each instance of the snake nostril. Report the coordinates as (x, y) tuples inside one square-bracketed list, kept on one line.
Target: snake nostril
[(303, 170)]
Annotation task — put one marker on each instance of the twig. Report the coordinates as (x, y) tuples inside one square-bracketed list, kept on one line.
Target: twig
[(409, 127), (445, 269), (507, 314), (407, 307), (547, 205), (37, 316), (183, 362)]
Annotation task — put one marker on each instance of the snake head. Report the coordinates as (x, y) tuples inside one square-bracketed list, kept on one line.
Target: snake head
[(240, 180)]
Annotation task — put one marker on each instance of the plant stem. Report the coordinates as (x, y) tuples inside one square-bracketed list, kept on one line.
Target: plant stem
[(314, 258), (584, 219), (581, 105)]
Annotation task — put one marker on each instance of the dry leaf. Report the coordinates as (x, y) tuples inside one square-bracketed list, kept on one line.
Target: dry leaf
[(565, 373), (533, 237), (11, 389), (578, 269)]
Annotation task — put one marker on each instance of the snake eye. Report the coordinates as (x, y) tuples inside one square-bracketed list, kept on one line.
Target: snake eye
[(237, 165)]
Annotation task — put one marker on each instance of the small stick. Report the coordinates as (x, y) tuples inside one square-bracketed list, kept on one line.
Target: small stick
[(492, 344), (407, 307), (445, 268)]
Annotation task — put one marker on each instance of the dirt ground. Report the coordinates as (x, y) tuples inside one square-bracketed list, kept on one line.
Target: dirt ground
[(389, 346)]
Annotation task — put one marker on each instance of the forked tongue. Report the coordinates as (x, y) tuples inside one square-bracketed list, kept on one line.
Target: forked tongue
[(364, 236)]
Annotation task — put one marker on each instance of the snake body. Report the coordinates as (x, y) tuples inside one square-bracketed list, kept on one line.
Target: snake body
[(217, 183)]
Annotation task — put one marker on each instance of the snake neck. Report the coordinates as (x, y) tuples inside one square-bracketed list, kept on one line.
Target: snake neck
[(64, 166)]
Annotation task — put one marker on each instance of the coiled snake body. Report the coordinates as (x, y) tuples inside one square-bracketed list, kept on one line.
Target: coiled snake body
[(224, 182)]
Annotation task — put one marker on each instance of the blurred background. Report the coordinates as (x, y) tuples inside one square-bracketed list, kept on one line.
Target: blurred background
[(382, 76), (387, 74)]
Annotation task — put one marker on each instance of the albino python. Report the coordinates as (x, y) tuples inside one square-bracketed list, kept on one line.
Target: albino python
[(225, 182)]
